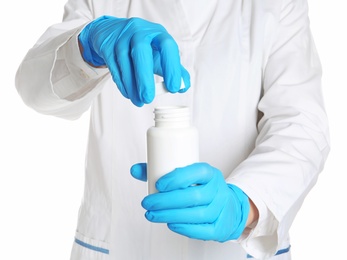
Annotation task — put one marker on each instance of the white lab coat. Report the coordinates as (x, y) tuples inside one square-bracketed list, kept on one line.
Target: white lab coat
[(256, 101)]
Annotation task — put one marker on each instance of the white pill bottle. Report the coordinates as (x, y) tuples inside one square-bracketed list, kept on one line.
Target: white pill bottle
[(171, 143)]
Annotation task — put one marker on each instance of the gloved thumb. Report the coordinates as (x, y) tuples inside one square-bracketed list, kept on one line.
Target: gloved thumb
[(139, 171)]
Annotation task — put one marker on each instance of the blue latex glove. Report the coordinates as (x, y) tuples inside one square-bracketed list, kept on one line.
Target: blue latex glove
[(196, 202), (133, 49)]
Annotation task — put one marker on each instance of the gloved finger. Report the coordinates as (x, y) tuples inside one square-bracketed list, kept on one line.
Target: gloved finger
[(142, 59), (222, 229), (115, 73), (170, 61), (182, 198), (158, 71), (186, 215), (195, 231), (186, 80), (217, 229), (195, 215), (156, 63), (112, 65), (122, 50), (139, 171), (197, 173)]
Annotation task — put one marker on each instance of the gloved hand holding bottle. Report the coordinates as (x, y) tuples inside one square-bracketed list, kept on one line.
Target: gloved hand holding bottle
[(195, 201), (133, 50)]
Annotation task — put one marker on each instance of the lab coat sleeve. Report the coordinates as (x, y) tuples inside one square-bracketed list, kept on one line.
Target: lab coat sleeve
[(293, 141), (53, 79)]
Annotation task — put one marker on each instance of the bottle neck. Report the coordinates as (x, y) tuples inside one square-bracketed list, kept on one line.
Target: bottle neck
[(172, 116)]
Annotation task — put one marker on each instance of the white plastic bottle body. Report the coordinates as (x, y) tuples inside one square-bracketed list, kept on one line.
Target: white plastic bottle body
[(173, 142)]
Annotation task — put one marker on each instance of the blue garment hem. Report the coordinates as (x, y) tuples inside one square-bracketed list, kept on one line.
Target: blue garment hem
[(91, 247)]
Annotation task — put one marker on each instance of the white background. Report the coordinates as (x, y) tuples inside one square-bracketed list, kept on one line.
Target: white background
[(42, 158)]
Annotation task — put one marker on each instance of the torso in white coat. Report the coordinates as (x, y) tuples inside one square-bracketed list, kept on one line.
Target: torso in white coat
[(225, 45)]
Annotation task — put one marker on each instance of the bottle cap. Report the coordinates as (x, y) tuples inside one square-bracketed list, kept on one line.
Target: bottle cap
[(160, 88)]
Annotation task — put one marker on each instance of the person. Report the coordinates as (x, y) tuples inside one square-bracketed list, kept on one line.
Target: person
[(252, 79)]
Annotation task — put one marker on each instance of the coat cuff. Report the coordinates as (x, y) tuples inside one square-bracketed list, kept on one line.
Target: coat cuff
[(72, 77), (260, 240)]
